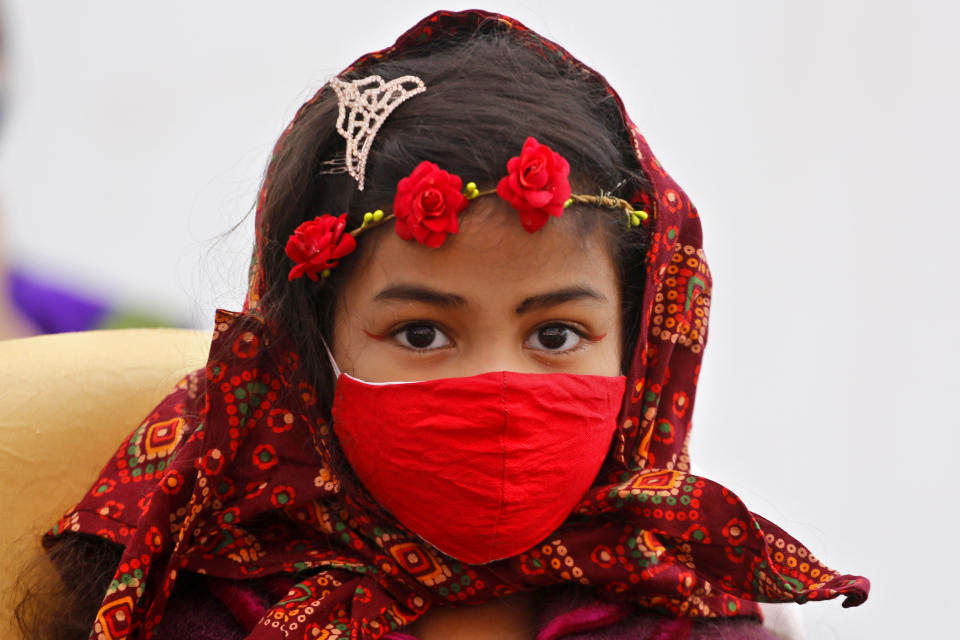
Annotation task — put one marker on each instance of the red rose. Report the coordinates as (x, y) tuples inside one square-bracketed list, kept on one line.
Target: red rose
[(427, 204), (316, 245), (537, 184)]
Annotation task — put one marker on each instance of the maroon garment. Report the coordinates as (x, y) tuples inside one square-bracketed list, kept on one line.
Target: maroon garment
[(232, 476), (567, 613)]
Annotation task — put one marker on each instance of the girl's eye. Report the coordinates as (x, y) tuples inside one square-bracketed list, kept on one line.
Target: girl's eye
[(421, 337), (554, 337)]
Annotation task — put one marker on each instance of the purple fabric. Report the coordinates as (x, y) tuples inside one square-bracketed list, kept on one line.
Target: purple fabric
[(650, 626), (216, 609), (194, 613), (576, 614), (246, 605), (52, 308), (573, 614), (574, 618), (674, 629)]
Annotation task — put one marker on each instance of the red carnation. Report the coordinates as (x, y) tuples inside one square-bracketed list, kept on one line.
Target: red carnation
[(427, 204), (537, 184), (316, 245)]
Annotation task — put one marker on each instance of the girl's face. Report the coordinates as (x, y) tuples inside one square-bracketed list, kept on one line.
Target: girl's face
[(492, 298)]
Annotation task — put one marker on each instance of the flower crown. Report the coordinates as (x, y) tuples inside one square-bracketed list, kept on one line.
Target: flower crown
[(428, 201)]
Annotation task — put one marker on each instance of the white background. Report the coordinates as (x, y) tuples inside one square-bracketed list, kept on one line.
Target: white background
[(817, 138)]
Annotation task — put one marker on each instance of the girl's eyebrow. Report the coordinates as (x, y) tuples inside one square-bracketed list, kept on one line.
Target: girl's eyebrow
[(418, 293), (553, 298)]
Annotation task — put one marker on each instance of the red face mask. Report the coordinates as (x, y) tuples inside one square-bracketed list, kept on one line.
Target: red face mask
[(481, 467)]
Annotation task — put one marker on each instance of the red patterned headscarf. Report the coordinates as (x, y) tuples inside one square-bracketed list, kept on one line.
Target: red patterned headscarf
[(231, 475)]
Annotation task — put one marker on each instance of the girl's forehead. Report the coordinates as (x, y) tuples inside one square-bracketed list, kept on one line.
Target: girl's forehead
[(491, 259)]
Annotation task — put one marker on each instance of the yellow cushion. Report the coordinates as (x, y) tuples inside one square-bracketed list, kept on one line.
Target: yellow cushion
[(66, 403)]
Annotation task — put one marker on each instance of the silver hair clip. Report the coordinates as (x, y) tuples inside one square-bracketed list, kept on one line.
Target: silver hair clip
[(336, 164), (364, 105)]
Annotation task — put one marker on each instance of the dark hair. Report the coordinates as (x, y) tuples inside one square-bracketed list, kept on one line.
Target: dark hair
[(487, 92), (65, 606)]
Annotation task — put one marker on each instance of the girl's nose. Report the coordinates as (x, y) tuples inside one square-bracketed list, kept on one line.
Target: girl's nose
[(501, 355)]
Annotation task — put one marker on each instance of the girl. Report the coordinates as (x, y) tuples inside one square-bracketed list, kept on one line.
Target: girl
[(468, 226)]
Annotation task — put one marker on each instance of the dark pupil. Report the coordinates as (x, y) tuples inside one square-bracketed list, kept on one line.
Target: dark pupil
[(421, 336), (553, 337)]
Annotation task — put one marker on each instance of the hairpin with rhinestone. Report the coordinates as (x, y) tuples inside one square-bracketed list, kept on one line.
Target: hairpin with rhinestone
[(364, 104)]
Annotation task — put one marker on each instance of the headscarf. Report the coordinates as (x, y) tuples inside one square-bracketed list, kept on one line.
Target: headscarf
[(231, 475)]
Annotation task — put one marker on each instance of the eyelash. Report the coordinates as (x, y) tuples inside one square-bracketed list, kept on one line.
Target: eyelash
[(585, 338), (396, 332)]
